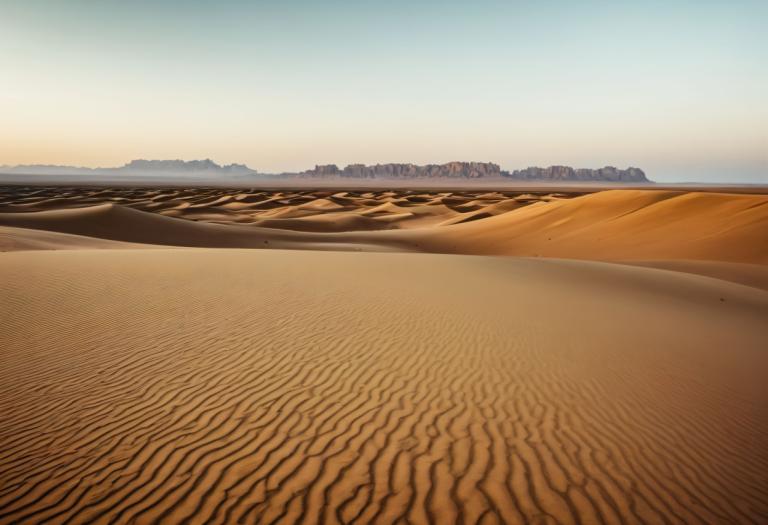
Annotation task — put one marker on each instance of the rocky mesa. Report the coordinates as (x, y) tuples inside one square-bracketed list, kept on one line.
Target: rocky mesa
[(467, 170), (569, 174), (477, 170)]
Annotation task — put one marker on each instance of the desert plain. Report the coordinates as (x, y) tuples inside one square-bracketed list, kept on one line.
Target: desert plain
[(383, 356)]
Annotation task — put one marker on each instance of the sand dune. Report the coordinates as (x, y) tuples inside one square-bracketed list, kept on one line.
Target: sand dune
[(118, 223), (620, 224), (209, 384), (21, 239), (257, 386), (395, 209), (617, 225)]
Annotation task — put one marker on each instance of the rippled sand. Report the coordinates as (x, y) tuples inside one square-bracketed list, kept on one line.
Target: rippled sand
[(147, 384)]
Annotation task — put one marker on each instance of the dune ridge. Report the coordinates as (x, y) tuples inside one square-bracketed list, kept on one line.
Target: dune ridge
[(118, 223), (614, 225), (338, 387), (623, 224)]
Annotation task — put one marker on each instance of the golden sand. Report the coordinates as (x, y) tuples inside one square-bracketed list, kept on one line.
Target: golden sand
[(146, 384)]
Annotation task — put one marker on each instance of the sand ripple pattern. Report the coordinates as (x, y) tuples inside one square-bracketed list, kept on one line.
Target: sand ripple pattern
[(203, 386)]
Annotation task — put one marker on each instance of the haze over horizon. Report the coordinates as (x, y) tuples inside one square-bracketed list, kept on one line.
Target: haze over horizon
[(675, 88)]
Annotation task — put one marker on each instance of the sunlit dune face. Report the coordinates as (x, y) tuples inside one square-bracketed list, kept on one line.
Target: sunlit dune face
[(615, 225)]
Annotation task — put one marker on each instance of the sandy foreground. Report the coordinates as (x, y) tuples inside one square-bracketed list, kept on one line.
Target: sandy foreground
[(141, 383)]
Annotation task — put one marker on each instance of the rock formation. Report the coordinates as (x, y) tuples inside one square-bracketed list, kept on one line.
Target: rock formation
[(391, 171), (467, 170), (568, 174)]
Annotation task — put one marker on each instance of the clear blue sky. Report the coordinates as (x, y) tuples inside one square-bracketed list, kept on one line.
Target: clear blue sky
[(677, 88)]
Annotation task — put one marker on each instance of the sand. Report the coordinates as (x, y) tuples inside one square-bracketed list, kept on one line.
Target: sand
[(142, 383), (610, 225), (721, 235)]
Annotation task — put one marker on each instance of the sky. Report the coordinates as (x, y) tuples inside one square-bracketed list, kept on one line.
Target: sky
[(678, 88)]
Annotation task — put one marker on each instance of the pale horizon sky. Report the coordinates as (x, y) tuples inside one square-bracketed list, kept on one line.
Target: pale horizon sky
[(676, 88)]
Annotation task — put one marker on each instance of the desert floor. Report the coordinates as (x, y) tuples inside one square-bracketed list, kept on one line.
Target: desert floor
[(383, 356)]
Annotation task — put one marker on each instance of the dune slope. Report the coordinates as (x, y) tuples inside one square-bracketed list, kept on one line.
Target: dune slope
[(620, 224), (242, 386), (616, 225), (22, 239), (119, 223)]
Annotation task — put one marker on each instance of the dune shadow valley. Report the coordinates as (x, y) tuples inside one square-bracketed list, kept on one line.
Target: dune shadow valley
[(548, 355)]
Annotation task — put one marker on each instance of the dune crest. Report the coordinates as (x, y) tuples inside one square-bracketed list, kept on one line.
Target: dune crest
[(614, 225), (621, 224)]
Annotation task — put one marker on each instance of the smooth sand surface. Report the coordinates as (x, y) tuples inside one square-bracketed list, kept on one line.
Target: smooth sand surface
[(245, 386), (747, 274), (22, 239)]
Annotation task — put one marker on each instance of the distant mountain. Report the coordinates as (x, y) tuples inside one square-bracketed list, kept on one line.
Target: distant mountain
[(181, 166), (568, 174), (467, 170), (138, 167), (172, 169), (44, 169), (476, 170)]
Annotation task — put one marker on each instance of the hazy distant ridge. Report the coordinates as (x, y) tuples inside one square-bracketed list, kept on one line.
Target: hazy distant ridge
[(138, 167), (391, 171), (182, 166), (566, 173), (476, 170)]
